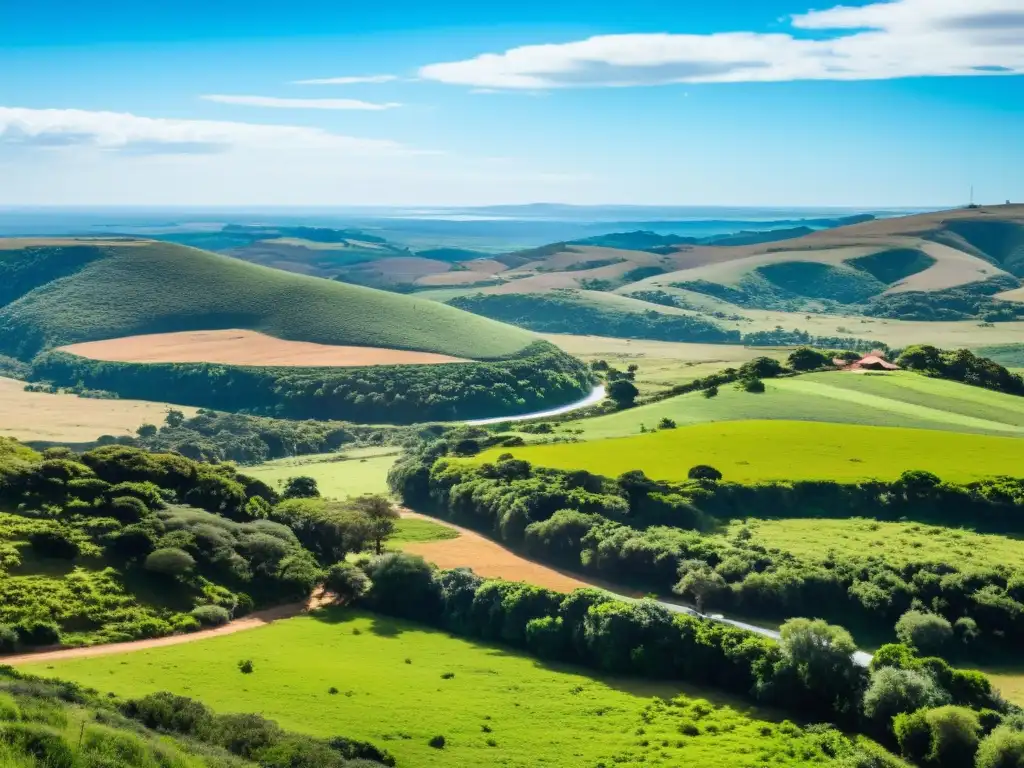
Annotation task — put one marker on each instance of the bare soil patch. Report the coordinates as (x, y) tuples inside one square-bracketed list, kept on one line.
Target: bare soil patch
[(488, 559), (242, 347), (73, 419)]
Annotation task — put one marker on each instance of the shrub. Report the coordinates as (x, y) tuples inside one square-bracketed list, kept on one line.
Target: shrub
[(301, 488), (56, 544), (447, 675), (704, 472), (347, 582), (926, 632), (127, 509), (8, 639), (437, 742), (38, 632), (623, 392), (807, 359), (47, 746), (246, 667), (106, 748), (946, 737), (710, 392), (170, 561), (131, 543), (894, 691), (211, 615), (666, 423), (1003, 748), (756, 386), (404, 585)]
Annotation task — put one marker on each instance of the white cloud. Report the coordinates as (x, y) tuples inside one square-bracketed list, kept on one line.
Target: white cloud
[(121, 131), (348, 80), (274, 102), (903, 38)]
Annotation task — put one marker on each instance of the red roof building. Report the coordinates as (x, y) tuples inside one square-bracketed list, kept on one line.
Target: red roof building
[(872, 362)]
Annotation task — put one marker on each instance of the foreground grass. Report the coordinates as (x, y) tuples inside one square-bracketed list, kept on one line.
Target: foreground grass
[(894, 400), (749, 451), (896, 543), (498, 708), (338, 475)]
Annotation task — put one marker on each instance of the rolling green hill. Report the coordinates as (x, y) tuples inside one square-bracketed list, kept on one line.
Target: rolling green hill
[(57, 292), (899, 400)]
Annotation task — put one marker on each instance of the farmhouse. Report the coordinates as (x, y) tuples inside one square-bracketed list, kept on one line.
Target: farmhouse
[(872, 362)]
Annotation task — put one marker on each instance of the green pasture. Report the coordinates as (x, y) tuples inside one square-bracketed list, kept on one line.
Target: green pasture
[(338, 475), (151, 287), (897, 543), (399, 685), (749, 451), (897, 400), (413, 531)]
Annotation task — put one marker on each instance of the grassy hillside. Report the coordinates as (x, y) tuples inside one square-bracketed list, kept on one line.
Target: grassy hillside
[(746, 451), (900, 399), (59, 292), (391, 678)]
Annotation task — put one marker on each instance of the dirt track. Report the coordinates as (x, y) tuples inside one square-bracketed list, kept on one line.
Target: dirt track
[(252, 621), (242, 347)]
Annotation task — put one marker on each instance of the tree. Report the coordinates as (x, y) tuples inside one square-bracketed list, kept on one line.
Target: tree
[(381, 516), (704, 472), (894, 691), (761, 368), (946, 737), (623, 392), (301, 487), (929, 633), (404, 585), (701, 585), (170, 561), (820, 657), (146, 430), (754, 386), (346, 582), (1003, 748), (807, 359), (174, 418), (710, 392), (666, 423)]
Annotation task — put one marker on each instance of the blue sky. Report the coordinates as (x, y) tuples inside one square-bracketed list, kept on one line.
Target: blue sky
[(766, 102)]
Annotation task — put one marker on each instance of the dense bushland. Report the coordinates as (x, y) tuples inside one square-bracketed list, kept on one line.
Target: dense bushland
[(62, 725), (561, 312), (540, 376), (119, 544), (215, 436), (653, 535), (809, 671)]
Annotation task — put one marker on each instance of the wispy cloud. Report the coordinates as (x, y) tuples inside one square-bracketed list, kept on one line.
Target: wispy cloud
[(125, 132), (884, 40), (274, 102), (356, 80)]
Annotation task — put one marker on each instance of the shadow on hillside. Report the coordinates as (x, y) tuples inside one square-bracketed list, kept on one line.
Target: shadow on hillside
[(380, 626)]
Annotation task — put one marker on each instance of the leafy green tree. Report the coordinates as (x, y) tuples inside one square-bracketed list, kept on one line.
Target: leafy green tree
[(174, 418), (301, 487), (710, 392), (754, 386), (347, 582), (701, 585), (404, 585), (894, 691), (704, 472), (1003, 748), (146, 430), (807, 359), (381, 516), (819, 656), (945, 737), (929, 633), (623, 392), (666, 423)]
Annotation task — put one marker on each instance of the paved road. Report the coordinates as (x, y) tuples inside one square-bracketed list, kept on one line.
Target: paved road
[(597, 394)]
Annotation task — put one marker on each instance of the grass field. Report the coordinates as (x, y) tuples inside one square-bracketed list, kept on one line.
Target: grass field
[(240, 347), (897, 543), (899, 400), (663, 364), (746, 451), (413, 531), (72, 419), (391, 691), (139, 287), (338, 475)]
